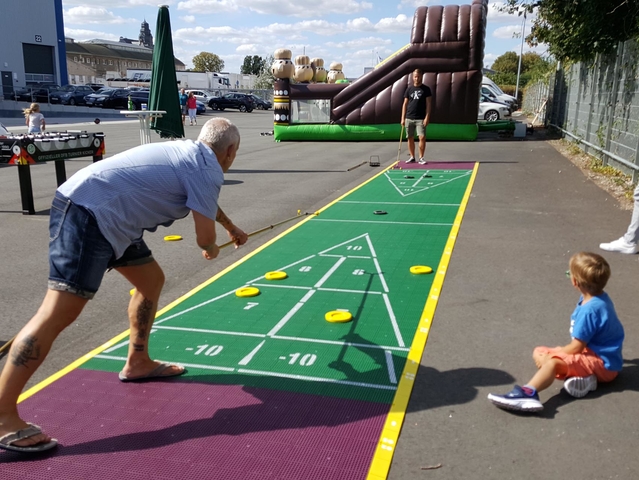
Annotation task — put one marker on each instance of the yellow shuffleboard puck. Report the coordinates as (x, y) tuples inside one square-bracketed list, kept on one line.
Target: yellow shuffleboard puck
[(337, 316), (247, 292), (132, 291), (173, 238), (275, 275), (420, 269)]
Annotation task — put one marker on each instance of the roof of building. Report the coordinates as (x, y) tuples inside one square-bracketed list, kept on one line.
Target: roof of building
[(107, 48)]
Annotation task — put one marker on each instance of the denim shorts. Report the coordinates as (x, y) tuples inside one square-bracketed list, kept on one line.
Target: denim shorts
[(79, 255)]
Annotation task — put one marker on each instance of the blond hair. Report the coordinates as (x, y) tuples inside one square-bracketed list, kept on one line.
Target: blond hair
[(590, 271), (219, 133), (34, 108)]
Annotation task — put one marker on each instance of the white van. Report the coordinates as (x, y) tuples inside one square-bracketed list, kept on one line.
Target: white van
[(487, 85)]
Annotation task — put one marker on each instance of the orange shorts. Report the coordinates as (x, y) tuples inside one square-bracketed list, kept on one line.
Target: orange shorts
[(581, 364)]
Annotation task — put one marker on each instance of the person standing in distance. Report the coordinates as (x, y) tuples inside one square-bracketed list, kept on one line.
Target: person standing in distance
[(416, 115), (97, 221)]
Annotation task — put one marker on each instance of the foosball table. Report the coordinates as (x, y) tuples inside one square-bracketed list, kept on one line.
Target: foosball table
[(26, 149)]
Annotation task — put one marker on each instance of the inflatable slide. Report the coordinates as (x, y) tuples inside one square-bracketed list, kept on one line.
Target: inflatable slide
[(446, 43)]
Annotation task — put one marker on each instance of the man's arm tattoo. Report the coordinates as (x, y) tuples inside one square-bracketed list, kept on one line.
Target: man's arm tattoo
[(222, 219)]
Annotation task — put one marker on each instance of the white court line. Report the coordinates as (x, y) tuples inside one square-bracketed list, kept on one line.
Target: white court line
[(405, 203), (249, 357), (291, 312), (330, 272), (194, 307), (348, 344), (215, 332), (284, 337), (381, 275), (370, 245), (347, 256), (391, 366), (294, 287), (316, 379), (192, 365), (385, 223), (340, 244), (340, 290), (391, 314)]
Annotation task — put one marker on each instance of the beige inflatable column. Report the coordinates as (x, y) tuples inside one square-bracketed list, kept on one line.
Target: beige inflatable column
[(303, 70), (283, 70), (319, 72), (335, 73)]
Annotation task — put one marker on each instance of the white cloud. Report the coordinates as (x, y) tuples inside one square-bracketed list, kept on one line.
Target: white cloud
[(489, 58), (188, 18), (412, 4), (295, 8), (88, 15), (369, 42), (82, 35), (509, 32), (398, 24)]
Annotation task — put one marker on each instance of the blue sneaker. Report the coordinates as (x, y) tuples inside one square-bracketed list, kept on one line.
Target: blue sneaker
[(517, 400)]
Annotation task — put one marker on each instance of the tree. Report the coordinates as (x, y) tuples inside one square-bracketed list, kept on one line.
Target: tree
[(533, 66), (207, 62), (265, 78), (252, 65), (579, 30)]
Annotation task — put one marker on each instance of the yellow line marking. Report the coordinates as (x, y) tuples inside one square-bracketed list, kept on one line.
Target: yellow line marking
[(383, 456), (85, 358)]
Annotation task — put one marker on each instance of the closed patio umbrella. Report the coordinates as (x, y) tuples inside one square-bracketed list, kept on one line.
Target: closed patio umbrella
[(164, 91)]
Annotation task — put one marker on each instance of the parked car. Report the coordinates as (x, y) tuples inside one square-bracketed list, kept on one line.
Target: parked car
[(118, 98), (242, 101), (201, 95), (97, 98), (260, 103), (492, 111), (36, 93), (95, 86), (201, 108), (70, 94)]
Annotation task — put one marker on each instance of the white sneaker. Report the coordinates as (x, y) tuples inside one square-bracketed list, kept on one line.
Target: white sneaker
[(620, 246), (580, 386), (411, 160), (422, 161)]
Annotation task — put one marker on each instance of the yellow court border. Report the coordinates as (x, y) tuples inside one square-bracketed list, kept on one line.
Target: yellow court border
[(85, 358), (387, 442)]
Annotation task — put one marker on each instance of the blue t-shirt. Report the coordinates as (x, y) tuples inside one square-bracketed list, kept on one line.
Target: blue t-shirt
[(596, 323), (183, 98), (147, 186)]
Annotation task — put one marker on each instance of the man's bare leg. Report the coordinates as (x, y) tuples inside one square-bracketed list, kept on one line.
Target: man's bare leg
[(148, 280), (422, 146), (28, 351), (411, 146)]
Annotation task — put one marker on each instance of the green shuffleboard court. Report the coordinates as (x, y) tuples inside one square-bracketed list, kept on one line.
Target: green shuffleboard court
[(354, 256)]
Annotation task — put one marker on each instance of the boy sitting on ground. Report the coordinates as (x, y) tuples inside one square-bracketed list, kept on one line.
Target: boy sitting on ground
[(594, 354)]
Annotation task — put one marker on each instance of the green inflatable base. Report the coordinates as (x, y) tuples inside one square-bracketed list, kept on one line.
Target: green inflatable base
[(368, 133)]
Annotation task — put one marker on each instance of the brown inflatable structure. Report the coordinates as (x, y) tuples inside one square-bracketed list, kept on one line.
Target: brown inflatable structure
[(446, 43)]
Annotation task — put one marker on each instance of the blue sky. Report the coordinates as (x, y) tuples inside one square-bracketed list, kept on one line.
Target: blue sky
[(353, 32)]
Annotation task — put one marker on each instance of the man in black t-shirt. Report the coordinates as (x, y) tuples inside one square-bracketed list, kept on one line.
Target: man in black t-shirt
[(416, 114)]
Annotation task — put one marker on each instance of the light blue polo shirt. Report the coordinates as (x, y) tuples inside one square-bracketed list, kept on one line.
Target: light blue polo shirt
[(147, 186)]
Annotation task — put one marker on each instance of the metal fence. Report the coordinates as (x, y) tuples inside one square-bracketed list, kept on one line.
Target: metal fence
[(596, 105)]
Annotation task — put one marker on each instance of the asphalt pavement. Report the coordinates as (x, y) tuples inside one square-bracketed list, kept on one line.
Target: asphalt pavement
[(505, 292)]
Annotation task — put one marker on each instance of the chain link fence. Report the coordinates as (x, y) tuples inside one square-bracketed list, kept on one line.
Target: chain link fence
[(596, 105)]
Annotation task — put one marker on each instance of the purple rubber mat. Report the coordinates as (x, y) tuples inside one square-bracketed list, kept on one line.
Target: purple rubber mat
[(174, 429), (436, 166)]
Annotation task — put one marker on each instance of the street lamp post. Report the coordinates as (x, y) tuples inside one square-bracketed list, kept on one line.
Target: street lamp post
[(521, 54)]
